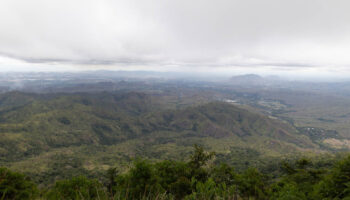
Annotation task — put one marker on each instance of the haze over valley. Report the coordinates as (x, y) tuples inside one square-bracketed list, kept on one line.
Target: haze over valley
[(170, 100)]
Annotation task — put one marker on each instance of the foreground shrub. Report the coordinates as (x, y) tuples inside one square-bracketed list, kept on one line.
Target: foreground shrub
[(77, 188), (14, 185)]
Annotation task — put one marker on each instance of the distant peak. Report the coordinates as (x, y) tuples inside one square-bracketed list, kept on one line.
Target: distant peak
[(246, 77)]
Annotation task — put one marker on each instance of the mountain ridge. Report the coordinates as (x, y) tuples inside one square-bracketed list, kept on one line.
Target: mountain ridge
[(104, 127)]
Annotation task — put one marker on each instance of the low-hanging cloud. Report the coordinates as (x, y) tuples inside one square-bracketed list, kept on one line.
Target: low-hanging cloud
[(169, 33)]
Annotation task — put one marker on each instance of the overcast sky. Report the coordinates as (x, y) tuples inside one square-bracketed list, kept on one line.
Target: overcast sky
[(292, 36)]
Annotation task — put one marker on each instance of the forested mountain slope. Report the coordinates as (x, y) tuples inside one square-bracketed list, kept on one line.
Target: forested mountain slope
[(95, 130)]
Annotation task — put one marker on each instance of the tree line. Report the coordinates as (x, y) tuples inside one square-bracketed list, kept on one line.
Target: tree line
[(198, 178)]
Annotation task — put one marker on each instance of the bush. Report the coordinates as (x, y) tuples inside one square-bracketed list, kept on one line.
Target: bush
[(77, 188), (14, 185)]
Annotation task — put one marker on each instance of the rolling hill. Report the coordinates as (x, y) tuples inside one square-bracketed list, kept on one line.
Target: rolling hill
[(84, 132)]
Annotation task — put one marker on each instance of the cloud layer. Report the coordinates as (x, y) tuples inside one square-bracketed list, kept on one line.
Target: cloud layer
[(167, 33)]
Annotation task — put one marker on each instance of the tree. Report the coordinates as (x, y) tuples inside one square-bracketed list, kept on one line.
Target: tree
[(199, 157), (112, 174), (77, 188), (15, 185), (337, 183), (141, 181), (174, 177), (287, 191), (252, 184), (198, 160), (300, 177), (224, 174)]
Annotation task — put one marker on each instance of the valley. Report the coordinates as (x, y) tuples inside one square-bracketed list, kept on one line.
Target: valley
[(88, 132)]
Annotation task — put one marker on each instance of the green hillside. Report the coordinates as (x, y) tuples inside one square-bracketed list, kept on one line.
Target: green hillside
[(56, 135)]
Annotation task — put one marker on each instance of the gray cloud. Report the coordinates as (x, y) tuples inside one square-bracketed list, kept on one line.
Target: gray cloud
[(165, 33)]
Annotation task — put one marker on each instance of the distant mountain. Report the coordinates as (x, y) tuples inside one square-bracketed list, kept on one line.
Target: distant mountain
[(250, 79), (247, 77)]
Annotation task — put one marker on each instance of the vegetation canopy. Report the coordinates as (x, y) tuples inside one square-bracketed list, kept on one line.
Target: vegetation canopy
[(197, 178)]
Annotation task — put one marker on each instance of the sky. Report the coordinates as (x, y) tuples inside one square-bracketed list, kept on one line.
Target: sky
[(309, 37)]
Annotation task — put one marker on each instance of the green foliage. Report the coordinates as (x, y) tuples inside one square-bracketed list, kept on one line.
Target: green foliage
[(14, 185), (112, 174), (206, 190), (58, 136), (177, 179), (211, 190), (224, 174), (252, 184), (198, 160), (299, 180), (336, 184), (303, 179), (174, 177), (35, 124), (78, 188), (288, 191), (140, 181)]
